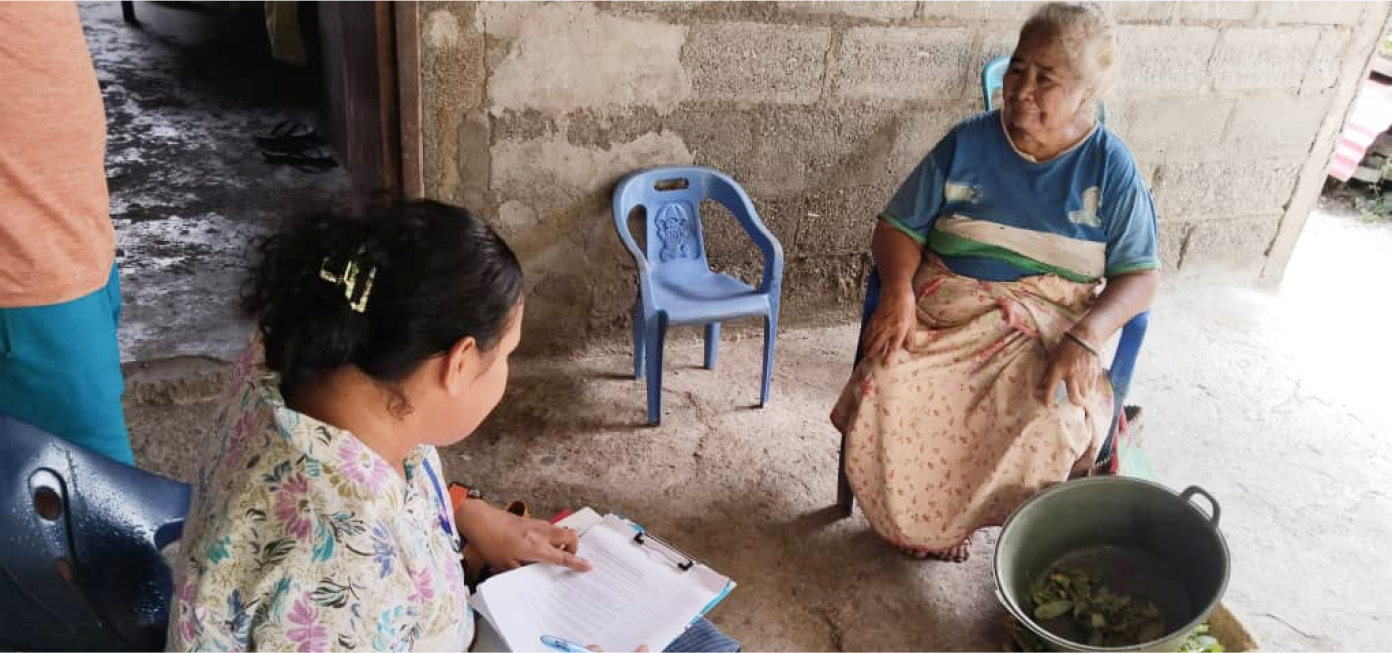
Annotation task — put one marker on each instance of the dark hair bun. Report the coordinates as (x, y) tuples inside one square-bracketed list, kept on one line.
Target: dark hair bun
[(383, 291)]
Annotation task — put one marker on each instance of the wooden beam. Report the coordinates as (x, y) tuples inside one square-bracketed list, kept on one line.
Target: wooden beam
[(408, 80)]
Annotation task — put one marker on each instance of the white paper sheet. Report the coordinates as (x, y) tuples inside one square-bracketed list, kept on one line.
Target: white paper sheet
[(634, 596)]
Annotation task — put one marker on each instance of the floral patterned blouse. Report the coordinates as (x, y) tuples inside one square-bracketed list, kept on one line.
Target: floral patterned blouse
[(301, 538)]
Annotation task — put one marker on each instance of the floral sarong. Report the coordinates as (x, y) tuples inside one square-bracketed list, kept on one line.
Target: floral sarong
[(954, 435)]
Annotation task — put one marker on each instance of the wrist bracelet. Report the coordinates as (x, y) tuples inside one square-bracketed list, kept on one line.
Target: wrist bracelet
[(1083, 343)]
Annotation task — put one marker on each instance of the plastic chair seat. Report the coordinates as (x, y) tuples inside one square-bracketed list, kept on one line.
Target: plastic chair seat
[(706, 298)]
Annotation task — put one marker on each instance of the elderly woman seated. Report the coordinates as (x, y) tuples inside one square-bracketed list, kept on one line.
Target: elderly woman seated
[(982, 382)]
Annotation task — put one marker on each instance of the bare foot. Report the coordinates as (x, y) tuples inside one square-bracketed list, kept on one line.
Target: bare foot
[(959, 553)]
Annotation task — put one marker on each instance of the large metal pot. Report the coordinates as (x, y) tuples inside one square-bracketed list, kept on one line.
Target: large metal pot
[(1151, 543)]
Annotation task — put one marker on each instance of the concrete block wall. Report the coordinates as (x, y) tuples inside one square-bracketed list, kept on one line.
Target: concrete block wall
[(531, 112)]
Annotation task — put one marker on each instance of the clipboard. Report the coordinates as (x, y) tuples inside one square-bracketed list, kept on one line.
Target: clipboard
[(705, 588)]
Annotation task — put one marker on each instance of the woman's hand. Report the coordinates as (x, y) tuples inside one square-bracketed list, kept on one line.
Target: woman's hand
[(892, 325), (507, 541), (1076, 367)]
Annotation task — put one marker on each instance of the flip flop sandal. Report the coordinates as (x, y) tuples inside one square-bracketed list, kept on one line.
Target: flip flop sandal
[(313, 160), (289, 136)]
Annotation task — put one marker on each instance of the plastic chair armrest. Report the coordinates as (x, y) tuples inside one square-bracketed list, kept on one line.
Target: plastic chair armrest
[(641, 261)]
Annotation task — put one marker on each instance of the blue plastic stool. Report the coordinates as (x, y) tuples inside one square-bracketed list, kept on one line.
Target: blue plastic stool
[(675, 283), (81, 569)]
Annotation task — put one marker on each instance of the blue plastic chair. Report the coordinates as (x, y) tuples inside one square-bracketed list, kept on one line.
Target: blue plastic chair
[(81, 568), (1128, 349), (675, 283), (992, 78)]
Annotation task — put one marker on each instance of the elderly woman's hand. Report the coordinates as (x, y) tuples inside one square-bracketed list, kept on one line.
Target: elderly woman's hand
[(892, 325), (507, 541), (1075, 366)]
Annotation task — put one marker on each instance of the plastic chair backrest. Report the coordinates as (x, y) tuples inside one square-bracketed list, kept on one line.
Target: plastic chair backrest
[(81, 568), (671, 198), (671, 201), (993, 80)]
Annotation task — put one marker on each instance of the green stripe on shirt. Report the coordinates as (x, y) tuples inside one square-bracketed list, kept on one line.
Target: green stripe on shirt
[(952, 245), (894, 222)]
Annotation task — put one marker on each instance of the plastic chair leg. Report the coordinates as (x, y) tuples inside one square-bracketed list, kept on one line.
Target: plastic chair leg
[(770, 336), (639, 326), (845, 499), (654, 339), (712, 344)]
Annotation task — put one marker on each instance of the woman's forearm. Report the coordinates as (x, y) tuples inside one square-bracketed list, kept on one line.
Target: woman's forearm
[(897, 257), (1125, 297)]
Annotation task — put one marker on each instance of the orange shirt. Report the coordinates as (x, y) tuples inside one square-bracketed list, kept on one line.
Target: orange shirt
[(56, 239)]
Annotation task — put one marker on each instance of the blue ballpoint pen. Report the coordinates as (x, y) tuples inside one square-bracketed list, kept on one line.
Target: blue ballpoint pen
[(563, 645)]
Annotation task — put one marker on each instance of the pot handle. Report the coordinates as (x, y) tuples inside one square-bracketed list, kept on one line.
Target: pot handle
[(1214, 510)]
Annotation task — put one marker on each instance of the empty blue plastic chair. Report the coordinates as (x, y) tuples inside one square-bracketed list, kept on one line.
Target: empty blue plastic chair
[(81, 568), (675, 283), (1123, 365)]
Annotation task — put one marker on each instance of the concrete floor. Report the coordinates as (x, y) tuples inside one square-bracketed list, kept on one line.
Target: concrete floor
[(1260, 397), (185, 92)]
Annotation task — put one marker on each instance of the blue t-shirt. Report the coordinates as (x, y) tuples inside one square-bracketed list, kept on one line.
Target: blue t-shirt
[(991, 213)]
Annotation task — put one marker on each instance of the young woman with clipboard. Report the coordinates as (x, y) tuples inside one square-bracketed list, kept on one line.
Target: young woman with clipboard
[(320, 521)]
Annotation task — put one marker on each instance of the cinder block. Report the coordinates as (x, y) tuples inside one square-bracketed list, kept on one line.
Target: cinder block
[(1325, 66), (1165, 60), (976, 12), (1316, 13), (1210, 10), (882, 10), (718, 135), (556, 177), (567, 56), (920, 130), (1275, 126), (797, 149), (903, 63), (1226, 188), (833, 221), (1172, 236), (751, 62), (1142, 12), (1019, 10), (1252, 58), (1233, 248), (825, 289), (1190, 126), (993, 44), (657, 4)]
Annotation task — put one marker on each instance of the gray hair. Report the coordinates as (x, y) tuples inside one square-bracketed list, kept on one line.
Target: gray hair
[(1087, 35)]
